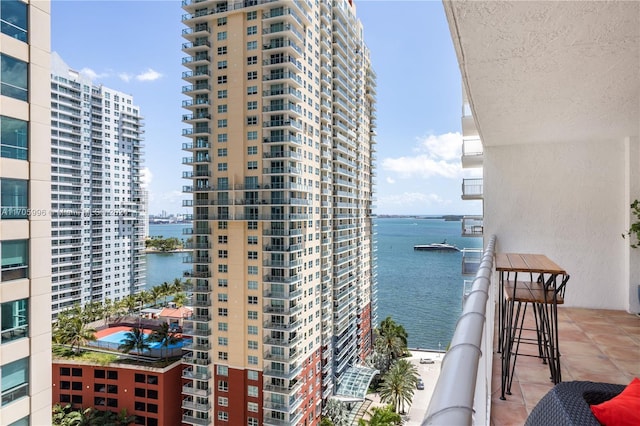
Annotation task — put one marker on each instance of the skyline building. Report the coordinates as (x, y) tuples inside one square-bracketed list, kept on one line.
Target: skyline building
[(98, 203), (25, 224), (281, 118)]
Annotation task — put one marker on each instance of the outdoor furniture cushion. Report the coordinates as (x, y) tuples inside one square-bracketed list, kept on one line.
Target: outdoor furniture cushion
[(623, 409), (568, 403)]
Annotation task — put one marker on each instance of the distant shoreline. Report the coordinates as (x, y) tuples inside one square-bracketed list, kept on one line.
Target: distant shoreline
[(153, 251)]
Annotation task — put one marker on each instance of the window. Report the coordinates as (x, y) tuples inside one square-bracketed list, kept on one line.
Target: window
[(14, 198), (252, 60), (152, 394), (99, 374), (223, 341), (252, 315), (112, 375), (222, 35), (223, 239), (14, 319), (223, 401), (252, 255), (15, 380), (252, 105), (14, 135), (252, 225), (252, 75), (139, 378), (223, 282), (152, 380), (222, 123), (13, 77), (223, 385), (252, 135), (252, 165), (222, 137), (252, 391), (222, 370), (252, 30), (252, 300), (252, 15), (222, 79), (252, 421), (252, 375), (223, 297), (252, 270), (222, 312), (252, 120), (252, 240), (223, 326), (222, 65), (222, 94), (252, 344), (65, 371), (15, 262), (252, 90), (222, 167), (252, 285), (223, 356), (253, 407), (252, 330), (222, 152), (222, 50), (223, 224), (222, 21), (21, 422), (222, 108), (223, 416), (140, 393), (252, 360)]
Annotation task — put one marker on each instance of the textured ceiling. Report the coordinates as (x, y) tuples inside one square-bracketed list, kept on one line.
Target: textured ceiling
[(542, 71)]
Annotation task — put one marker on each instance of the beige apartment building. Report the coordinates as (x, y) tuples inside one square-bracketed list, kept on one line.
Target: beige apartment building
[(280, 119), (25, 232)]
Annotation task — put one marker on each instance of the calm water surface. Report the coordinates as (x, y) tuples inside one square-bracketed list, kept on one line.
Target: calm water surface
[(420, 290)]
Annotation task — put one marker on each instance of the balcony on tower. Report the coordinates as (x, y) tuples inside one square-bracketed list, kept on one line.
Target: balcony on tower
[(472, 189)]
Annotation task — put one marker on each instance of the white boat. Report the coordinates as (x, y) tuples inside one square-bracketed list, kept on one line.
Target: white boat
[(443, 246)]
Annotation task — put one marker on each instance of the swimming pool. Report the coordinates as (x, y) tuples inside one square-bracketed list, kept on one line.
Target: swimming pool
[(119, 337)]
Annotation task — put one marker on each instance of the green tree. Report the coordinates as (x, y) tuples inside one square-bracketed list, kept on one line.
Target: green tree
[(337, 412), (391, 341), (176, 287), (166, 289), (381, 416), (165, 336), (399, 384), (180, 299), (156, 293), (70, 329), (134, 339)]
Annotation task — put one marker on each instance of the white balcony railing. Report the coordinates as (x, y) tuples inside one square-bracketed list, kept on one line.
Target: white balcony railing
[(463, 390)]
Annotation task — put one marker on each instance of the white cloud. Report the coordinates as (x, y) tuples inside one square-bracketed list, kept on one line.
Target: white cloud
[(146, 177), (436, 155), (148, 75), (126, 77), (390, 180), (92, 74), (412, 198)]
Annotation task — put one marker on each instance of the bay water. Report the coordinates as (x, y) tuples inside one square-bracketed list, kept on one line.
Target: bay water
[(420, 290)]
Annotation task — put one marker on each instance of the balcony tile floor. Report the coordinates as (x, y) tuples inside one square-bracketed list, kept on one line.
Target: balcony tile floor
[(595, 345)]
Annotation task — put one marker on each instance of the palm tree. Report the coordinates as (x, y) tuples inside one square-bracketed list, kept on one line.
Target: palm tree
[(176, 287), (129, 302), (391, 340), (156, 293), (399, 384), (165, 287), (381, 416), (108, 309), (134, 339), (72, 330), (165, 336), (180, 299)]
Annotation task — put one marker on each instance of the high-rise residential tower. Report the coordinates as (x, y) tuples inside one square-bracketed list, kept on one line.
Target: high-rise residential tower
[(98, 208), (280, 116), (25, 224)]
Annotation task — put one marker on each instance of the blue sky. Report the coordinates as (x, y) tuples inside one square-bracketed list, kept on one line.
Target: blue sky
[(135, 47)]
